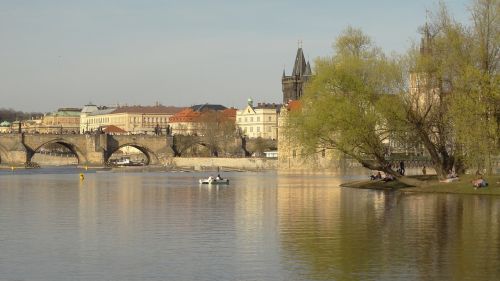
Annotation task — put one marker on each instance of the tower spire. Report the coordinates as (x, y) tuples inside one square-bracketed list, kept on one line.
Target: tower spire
[(300, 63)]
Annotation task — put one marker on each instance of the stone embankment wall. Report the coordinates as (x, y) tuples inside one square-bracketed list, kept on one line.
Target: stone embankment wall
[(202, 163)]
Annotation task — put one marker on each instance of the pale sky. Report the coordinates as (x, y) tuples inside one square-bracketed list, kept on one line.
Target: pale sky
[(67, 53)]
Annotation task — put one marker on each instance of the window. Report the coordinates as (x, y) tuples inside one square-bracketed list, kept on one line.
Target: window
[(270, 118), (258, 119), (323, 153), (268, 129), (251, 129), (251, 119), (294, 153), (246, 120), (258, 129)]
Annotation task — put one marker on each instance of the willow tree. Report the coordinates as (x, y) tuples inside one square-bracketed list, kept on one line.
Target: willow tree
[(476, 106), (345, 106), (453, 101)]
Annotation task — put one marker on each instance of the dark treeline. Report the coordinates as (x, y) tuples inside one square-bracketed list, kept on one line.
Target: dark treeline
[(9, 114)]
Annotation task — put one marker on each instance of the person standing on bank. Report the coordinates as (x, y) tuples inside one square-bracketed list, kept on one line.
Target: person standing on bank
[(402, 168)]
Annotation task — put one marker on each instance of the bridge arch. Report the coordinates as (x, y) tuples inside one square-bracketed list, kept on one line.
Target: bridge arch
[(79, 154), (193, 146), (151, 157)]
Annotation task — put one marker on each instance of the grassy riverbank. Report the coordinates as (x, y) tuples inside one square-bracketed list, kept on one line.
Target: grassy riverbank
[(430, 184)]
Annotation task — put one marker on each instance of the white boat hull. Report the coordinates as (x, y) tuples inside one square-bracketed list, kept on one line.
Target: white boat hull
[(214, 181)]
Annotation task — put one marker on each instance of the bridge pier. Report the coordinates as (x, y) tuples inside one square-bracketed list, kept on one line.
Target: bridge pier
[(12, 150)]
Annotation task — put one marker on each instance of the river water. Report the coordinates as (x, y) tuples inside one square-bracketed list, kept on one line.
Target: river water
[(263, 226)]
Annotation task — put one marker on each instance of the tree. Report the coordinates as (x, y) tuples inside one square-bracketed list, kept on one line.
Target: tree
[(476, 107), (13, 115), (453, 97), (218, 131), (344, 106)]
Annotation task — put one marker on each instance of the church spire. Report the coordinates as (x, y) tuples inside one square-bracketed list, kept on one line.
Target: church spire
[(299, 67), (425, 43), (308, 71)]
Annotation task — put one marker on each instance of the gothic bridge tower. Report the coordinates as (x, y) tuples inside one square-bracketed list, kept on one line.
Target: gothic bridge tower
[(293, 85)]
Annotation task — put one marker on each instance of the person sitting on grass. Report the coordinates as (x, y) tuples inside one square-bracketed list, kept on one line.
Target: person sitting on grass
[(452, 174), (451, 177), (478, 183), (388, 177), (378, 176)]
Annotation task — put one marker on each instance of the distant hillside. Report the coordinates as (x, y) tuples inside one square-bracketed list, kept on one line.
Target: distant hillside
[(9, 114)]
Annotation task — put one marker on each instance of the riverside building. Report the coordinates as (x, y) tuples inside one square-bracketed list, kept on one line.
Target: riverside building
[(197, 119), (130, 119), (62, 121), (258, 121)]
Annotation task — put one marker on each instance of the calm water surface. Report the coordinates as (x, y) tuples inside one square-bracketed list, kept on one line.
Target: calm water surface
[(263, 226)]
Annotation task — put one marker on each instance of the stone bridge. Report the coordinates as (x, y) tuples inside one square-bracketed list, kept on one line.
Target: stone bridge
[(91, 150)]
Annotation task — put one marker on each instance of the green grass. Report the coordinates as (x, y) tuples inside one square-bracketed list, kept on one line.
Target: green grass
[(430, 184)]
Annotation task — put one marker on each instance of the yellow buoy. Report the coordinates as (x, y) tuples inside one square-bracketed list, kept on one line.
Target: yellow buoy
[(82, 177), (86, 167), (12, 168)]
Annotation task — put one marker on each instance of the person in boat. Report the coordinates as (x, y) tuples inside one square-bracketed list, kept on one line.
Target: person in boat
[(218, 177)]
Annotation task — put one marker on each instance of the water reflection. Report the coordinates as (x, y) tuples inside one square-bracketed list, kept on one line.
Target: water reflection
[(263, 226), (346, 234)]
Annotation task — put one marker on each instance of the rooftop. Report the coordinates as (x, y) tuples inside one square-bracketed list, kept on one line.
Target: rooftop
[(206, 106), (158, 109), (112, 129)]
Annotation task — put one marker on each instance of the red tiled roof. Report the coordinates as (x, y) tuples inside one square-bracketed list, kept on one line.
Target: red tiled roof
[(229, 113), (294, 105), (112, 129), (190, 115), (186, 115)]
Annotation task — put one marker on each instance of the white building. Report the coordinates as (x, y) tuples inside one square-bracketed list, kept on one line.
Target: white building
[(259, 121), (131, 119)]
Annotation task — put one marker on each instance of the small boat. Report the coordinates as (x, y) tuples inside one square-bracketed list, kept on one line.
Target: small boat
[(214, 181)]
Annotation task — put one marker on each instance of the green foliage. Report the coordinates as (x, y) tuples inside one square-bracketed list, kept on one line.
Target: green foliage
[(344, 106), (463, 62), (476, 106), (360, 98)]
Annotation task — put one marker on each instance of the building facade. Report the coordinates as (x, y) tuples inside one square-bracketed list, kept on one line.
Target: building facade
[(197, 119), (131, 119), (63, 121), (258, 121), (293, 85)]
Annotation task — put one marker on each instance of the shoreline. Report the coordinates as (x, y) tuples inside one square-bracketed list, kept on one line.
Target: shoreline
[(147, 168), (430, 184)]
